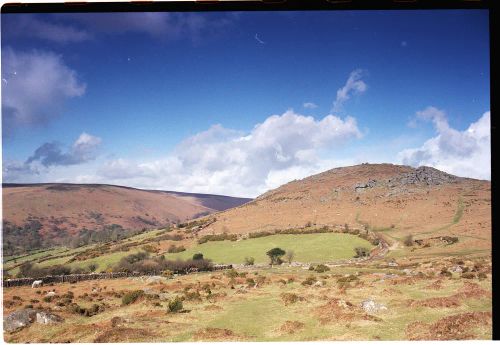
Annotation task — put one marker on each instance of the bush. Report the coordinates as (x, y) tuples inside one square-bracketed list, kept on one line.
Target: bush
[(348, 281), (192, 296), (167, 273), (309, 281), (445, 272), (322, 268), (408, 240), (232, 273), (482, 275), (175, 305), (131, 297), (250, 282), (174, 249), (468, 275), (361, 252), (198, 256), (289, 298), (249, 261), (219, 237)]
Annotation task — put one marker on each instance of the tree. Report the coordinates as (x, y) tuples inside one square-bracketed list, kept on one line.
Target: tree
[(361, 252), (408, 241), (290, 254), (275, 255), (198, 256)]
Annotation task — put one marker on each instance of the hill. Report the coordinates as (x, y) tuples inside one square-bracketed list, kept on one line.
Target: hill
[(394, 201), (59, 210)]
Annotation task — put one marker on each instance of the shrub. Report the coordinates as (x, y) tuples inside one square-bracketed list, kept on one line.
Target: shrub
[(348, 281), (175, 305), (468, 275), (408, 240), (198, 256), (361, 252), (218, 237), (131, 297), (260, 234), (174, 249), (249, 261), (309, 281), (149, 248), (482, 275), (321, 268), (232, 273), (311, 268), (445, 272), (289, 298), (167, 273), (250, 282), (192, 296), (275, 255)]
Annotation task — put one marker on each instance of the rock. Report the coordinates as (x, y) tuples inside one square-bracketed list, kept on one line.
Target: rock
[(19, 319), (456, 269), (47, 318), (393, 264), (50, 294), (370, 306), (163, 296), (408, 272), (318, 283), (154, 279)]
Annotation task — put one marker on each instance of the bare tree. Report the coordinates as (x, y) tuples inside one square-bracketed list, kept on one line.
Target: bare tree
[(290, 254)]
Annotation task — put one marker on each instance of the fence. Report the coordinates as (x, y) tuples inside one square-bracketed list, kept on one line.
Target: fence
[(73, 278)]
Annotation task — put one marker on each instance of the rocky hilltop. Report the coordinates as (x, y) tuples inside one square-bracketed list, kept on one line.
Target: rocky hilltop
[(419, 201)]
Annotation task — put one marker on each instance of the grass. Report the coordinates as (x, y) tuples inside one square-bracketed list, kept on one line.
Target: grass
[(308, 248), (255, 315)]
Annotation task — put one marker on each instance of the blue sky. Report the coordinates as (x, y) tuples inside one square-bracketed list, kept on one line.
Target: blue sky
[(185, 101)]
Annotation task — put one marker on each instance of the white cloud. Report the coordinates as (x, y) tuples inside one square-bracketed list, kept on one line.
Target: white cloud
[(353, 85), (226, 161), (34, 26), (309, 105), (36, 84), (464, 153)]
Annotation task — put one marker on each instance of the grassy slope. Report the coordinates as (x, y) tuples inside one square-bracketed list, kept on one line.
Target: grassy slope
[(307, 248), (257, 314)]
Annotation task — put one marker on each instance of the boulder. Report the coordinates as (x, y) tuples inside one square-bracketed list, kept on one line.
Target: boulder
[(50, 294), (19, 319), (47, 318), (370, 306)]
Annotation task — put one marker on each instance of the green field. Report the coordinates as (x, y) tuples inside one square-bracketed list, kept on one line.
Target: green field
[(308, 248)]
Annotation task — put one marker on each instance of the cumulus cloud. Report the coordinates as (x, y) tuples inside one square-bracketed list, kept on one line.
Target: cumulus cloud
[(354, 85), (309, 105), (52, 154), (83, 150), (463, 153), (226, 161), (35, 86)]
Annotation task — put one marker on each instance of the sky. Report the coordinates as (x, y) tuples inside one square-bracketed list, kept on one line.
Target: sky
[(239, 103)]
